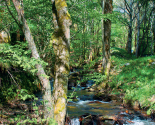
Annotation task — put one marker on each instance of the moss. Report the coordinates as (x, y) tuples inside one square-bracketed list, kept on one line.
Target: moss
[(66, 72), (68, 16), (60, 4), (65, 90), (59, 106), (64, 95)]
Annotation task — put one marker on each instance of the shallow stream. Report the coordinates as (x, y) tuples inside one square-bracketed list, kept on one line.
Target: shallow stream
[(86, 105)]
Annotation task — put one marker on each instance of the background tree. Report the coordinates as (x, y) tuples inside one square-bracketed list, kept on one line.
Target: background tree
[(106, 33)]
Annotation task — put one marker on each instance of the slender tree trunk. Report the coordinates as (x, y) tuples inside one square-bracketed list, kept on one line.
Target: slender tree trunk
[(40, 73), (153, 31), (129, 8), (138, 33), (61, 44), (90, 57), (154, 34), (106, 32), (129, 42)]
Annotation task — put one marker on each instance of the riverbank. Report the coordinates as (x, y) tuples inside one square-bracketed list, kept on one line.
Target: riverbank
[(132, 80)]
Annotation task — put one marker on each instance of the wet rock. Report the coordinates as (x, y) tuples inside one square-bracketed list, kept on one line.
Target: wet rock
[(153, 116), (72, 81), (95, 102), (102, 97), (89, 120), (67, 121), (83, 84), (91, 90)]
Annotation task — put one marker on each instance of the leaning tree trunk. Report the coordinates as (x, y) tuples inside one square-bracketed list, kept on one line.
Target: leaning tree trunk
[(40, 73), (61, 44), (106, 33)]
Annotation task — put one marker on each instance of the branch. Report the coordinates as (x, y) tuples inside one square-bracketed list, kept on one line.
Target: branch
[(6, 26), (13, 16), (127, 6), (138, 11), (12, 78), (123, 9)]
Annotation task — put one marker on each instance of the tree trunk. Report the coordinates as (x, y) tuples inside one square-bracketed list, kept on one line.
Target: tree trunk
[(61, 44), (40, 73), (138, 33), (129, 42), (106, 32), (130, 11), (153, 32)]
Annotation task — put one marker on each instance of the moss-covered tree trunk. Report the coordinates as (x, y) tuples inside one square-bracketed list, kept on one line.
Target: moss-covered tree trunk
[(48, 109), (61, 44), (106, 33)]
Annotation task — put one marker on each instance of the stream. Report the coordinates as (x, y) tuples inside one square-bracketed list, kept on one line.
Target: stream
[(86, 105)]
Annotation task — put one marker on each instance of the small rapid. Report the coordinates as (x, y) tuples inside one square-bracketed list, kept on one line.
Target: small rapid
[(86, 105)]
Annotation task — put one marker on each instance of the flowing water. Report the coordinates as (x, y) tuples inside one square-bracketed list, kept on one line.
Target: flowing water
[(86, 105)]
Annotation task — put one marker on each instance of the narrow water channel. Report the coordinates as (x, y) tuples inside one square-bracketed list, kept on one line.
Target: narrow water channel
[(86, 105)]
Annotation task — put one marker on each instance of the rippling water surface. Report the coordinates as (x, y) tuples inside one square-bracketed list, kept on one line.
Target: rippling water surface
[(86, 105)]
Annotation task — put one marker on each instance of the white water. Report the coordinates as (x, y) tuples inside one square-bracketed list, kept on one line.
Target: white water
[(140, 122), (85, 106), (75, 121), (81, 102)]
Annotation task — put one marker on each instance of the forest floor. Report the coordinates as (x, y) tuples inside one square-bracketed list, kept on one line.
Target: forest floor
[(17, 112)]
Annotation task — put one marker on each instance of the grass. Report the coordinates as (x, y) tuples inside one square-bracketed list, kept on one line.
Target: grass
[(135, 77)]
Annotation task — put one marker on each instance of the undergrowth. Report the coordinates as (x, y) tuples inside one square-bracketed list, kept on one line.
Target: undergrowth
[(18, 83), (135, 77)]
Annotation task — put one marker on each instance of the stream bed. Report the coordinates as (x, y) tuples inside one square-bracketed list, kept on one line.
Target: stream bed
[(109, 112), (86, 106)]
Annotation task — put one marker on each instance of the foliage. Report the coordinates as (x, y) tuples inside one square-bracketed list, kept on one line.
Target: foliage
[(135, 78), (132, 76), (17, 70), (17, 55)]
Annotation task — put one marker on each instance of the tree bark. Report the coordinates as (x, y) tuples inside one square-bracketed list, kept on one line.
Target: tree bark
[(48, 113), (106, 33), (153, 32), (138, 33), (61, 45), (129, 42)]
